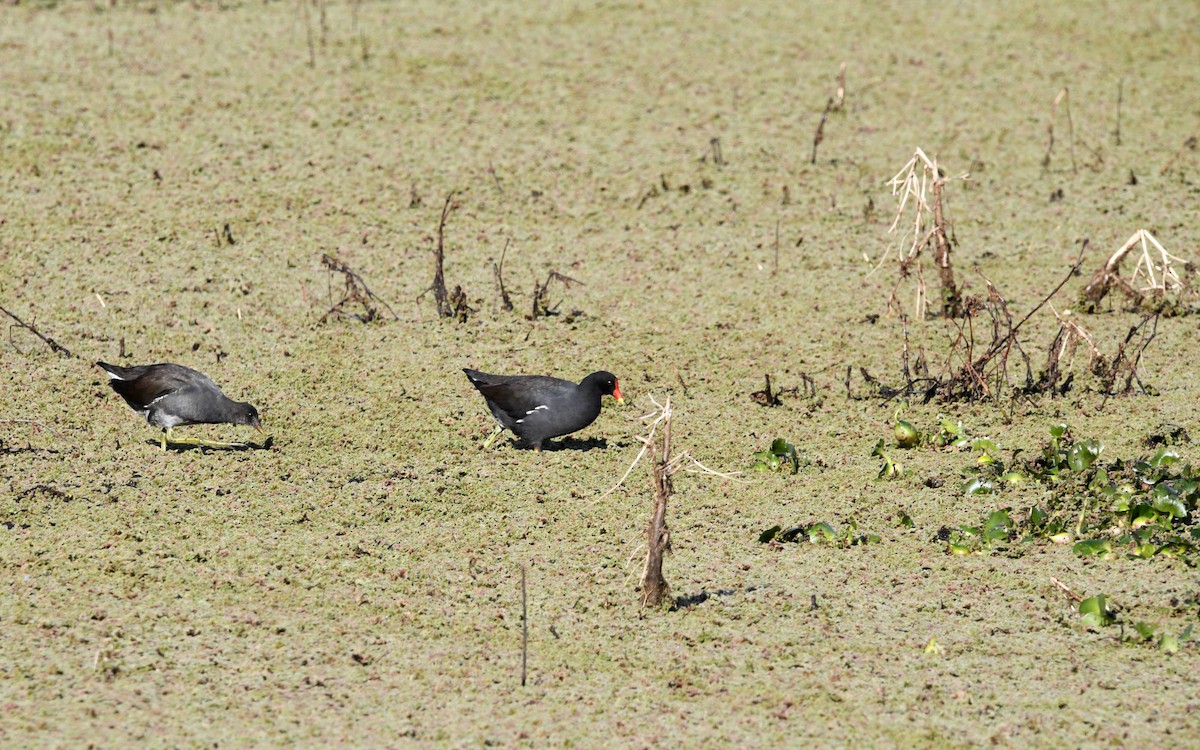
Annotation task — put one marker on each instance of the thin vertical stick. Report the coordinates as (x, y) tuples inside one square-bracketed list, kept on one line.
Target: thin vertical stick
[(1120, 99), (776, 267), (820, 134), (524, 628)]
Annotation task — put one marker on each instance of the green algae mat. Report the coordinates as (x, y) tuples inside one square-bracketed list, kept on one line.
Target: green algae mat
[(259, 191)]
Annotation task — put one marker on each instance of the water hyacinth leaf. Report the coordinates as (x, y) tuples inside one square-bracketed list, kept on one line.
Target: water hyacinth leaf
[(873, 538), (821, 530), (1164, 456), (1083, 454), (1037, 517), (906, 520), (1168, 643), (959, 549), (1144, 629), (1092, 547), (1012, 477), (996, 526), (769, 534), (1164, 499), (1093, 612), (1145, 551), (906, 435), (1058, 430), (1061, 537), (978, 486)]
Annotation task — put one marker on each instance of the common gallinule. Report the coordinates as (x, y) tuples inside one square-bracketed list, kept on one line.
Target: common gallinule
[(536, 407), (172, 395)]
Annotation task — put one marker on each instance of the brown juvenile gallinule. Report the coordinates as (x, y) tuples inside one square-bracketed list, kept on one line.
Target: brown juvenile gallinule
[(172, 395), (536, 407)]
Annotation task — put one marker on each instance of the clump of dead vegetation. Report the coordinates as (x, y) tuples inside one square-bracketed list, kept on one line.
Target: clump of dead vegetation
[(449, 304), (919, 192), (1160, 282), (357, 301), (989, 356)]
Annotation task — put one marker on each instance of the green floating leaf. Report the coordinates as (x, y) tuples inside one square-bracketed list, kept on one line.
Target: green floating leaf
[(769, 534), (1168, 643), (1092, 547), (906, 520), (1144, 629), (1083, 454), (907, 436), (1164, 456), (1058, 430), (1165, 499), (821, 530), (997, 525), (1093, 612), (978, 486)]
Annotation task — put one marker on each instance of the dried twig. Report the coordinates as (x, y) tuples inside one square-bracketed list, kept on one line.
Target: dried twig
[(819, 135), (498, 270), (39, 425), (524, 628), (54, 345), (1063, 96), (355, 291), (1066, 590), (541, 295), (448, 305)]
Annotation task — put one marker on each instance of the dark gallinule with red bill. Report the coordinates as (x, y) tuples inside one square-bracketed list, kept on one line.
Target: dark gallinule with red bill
[(536, 407), (172, 395)]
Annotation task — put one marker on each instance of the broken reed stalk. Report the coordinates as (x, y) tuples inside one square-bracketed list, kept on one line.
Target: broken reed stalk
[(308, 31), (498, 270), (524, 628), (1063, 96), (820, 134), (54, 345), (717, 157), (448, 305), (951, 296), (658, 537), (1120, 100)]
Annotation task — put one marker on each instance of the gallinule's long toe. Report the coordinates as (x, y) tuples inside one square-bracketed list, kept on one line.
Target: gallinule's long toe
[(536, 407), (172, 395)]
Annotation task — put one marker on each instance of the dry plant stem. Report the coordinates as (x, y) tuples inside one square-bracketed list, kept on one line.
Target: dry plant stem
[(498, 269), (951, 297), (1066, 590), (356, 291), (39, 425), (820, 134), (54, 345), (308, 31), (524, 628), (1120, 100), (440, 294), (658, 539), (1063, 96)]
